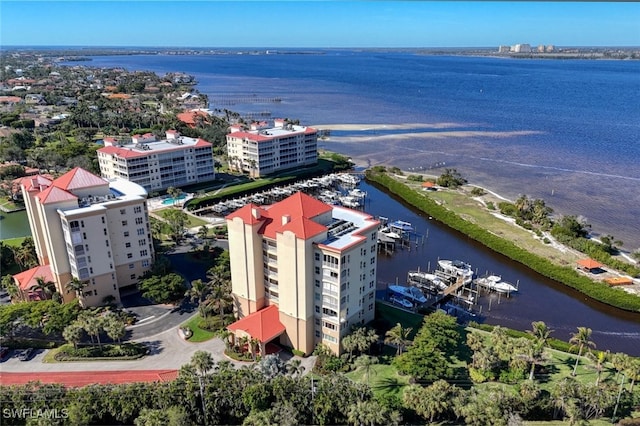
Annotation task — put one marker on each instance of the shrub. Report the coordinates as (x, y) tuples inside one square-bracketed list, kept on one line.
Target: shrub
[(490, 205), (297, 352), (507, 209), (415, 178), (546, 240), (477, 191)]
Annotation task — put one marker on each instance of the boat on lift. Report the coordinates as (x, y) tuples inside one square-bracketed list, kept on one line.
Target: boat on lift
[(456, 267), (413, 294), (495, 283)]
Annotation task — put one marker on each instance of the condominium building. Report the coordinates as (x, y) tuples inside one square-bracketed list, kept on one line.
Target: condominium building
[(265, 150), (158, 164), (302, 271), (89, 228)]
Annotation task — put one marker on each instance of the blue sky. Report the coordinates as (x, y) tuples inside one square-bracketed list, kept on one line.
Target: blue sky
[(317, 23)]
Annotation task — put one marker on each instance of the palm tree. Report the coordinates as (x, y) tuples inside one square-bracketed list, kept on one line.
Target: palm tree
[(202, 361), (12, 288), (76, 286), (295, 367), (93, 325), (46, 288), (203, 232), (599, 361), (198, 293), (531, 352), (541, 332), (115, 328), (366, 362), (581, 339), (398, 336), (73, 334)]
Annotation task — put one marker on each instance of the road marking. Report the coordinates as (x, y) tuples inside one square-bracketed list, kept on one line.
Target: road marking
[(146, 319)]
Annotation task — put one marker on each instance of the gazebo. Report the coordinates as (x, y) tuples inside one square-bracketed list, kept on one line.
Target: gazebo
[(263, 326), (619, 281), (589, 265), (28, 279)]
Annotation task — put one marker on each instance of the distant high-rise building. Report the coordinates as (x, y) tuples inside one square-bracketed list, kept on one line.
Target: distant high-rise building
[(264, 150), (504, 49), (522, 48)]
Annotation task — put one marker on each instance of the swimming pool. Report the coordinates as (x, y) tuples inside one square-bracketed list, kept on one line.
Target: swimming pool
[(170, 201)]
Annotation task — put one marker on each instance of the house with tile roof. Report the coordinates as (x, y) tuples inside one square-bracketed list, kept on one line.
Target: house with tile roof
[(158, 164), (90, 228), (303, 272), (264, 151)]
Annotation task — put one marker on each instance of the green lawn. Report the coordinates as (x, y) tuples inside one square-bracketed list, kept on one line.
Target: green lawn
[(192, 221), (13, 242), (199, 335), (383, 379)]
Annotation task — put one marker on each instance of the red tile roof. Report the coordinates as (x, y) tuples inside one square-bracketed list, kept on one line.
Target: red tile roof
[(122, 152), (189, 117), (263, 325), (35, 183), (589, 263), (78, 178), (53, 194), (300, 209), (428, 184), (27, 279)]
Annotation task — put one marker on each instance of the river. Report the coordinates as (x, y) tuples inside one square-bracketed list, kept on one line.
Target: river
[(538, 298)]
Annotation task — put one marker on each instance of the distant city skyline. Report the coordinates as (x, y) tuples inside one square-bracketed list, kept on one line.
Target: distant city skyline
[(317, 24)]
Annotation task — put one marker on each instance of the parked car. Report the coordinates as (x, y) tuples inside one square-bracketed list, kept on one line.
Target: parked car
[(4, 353), (26, 354)]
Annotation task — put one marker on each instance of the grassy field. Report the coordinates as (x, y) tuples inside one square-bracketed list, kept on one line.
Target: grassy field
[(13, 242), (192, 221), (474, 210), (383, 379)]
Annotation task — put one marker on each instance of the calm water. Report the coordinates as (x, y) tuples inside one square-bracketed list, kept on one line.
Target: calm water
[(566, 131), (538, 298), (14, 225)]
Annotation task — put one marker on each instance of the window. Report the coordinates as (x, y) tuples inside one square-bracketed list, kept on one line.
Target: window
[(84, 235), (123, 211), (132, 265), (133, 276), (317, 270), (126, 233), (95, 292), (104, 230), (145, 263), (124, 223), (102, 219), (90, 270), (317, 283), (144, 253), (142, 242), (140, 231), (127, 245), (373, 237), (111, 267), (372, 261), (139, 221), (370, 296), (317, 309), (317, 256), (109, 254), (137, 209), (82, 223), (107, 242), (371, 307), (129, 255)]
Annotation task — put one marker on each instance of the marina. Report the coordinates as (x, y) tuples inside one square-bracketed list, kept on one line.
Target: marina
[(423, 242)]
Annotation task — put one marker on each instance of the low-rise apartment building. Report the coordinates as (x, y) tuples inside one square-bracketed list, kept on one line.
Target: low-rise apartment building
[(265, 150), (302, 271), (89, 228), (158, 164)]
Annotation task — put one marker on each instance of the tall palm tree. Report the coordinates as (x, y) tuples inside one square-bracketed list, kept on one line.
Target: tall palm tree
[(366, 362), (541, 332), (581, 339), (198, 293), (93, 325), (115, 328), (398, 336), (73, 334), (599, 359), (75, 285)]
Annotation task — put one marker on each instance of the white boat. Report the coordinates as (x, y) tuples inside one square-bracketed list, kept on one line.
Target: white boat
[(358, 193), (349, 201), (389, 233), (456, 267), (494, 282), (400, 301), (425, 279), (413, 294), (401, 225)]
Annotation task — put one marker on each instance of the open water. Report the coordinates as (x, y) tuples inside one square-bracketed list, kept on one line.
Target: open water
[(566, 131)]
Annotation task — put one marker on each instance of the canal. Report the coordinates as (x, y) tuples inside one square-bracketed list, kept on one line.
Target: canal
[(538, 298)]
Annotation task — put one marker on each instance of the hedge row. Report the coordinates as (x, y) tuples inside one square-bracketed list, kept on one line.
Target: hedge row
[(565, 275)]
